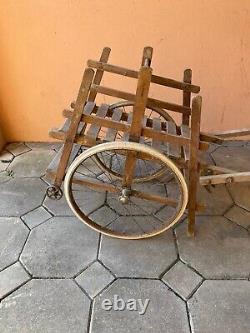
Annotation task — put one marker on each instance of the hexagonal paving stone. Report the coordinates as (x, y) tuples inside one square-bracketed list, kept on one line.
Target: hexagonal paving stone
[(19, 195), (11, 278), (103, 216), (60, 247), (182, 279), (219, 250), (239, 216), (217, 201), (221, 306), (5, 177), (36, 217), (17, 148), (43, 145), (94, 279), (165, 312), (58, 207), (13, 234), (87, 200), (5, 159), (234, 143), (138, 258), (135, 224), (31, 164), (235, 158), (241, 194), (45, 306)]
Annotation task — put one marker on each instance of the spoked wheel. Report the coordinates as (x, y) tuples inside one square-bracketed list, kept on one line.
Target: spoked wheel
[(141, 174), (141, 211)]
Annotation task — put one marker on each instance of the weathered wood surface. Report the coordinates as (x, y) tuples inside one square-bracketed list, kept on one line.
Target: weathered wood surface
[(134, 74), (94, 129), (135, 132), (233, 133), (185, 132), (75, 120), (193, 167), (112, 132), (186, 99), (151, 102), (147, 56), (99, 73), (236, 177), (205, 137), (174, 149)]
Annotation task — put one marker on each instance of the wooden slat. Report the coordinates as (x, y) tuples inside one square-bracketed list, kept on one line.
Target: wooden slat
[(112, 132), (173, 148), (51, 169), (148, 132), (203, 136), (185, 131), (134, 74), (151, 102), (60, 133), (187, 77), (144, 124), (129, 121), (211, 138), (99, 73), (157, 127), (233, 133), (94, 129)]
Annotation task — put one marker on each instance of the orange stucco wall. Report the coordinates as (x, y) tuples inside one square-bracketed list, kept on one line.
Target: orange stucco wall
[(44, 46)]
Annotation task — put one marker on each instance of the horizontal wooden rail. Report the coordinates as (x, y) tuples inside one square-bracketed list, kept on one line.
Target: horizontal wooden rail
[(150, 103), (146, 132), (123, 127), (237, 177), (233, 133), (134, 74)]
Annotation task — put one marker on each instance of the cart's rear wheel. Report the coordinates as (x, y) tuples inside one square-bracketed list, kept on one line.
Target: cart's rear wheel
[(141, 174), (141, 211)]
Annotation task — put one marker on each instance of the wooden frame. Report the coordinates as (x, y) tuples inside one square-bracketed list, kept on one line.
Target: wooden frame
[(84, 120)]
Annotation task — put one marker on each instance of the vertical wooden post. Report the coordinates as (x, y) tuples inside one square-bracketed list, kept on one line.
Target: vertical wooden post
[(75, 120), (187, 77), (193, 170), (141, 98), (147, 56), (99, 73)]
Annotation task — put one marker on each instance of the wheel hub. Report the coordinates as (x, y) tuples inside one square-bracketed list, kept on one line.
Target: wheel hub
[(125, 194)]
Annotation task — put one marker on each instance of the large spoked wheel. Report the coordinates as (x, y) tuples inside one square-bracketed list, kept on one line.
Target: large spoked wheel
[(141, 174), (140, 211)]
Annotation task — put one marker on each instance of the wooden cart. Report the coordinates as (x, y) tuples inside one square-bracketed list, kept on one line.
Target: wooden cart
[(130, 157)]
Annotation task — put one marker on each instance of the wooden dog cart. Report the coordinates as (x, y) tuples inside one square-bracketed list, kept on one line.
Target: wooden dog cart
[(144, 166)]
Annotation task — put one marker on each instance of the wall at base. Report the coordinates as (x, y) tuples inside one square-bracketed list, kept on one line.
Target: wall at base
[(45, 44), (2, 141)]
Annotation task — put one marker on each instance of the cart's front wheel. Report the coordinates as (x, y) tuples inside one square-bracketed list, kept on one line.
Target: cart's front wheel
[(140, 211)]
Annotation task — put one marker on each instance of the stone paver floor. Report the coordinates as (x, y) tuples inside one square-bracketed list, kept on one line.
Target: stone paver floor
[(56, 273)]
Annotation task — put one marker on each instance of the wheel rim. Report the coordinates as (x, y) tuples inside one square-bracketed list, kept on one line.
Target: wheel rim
[(142, 218), (150, 113)]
